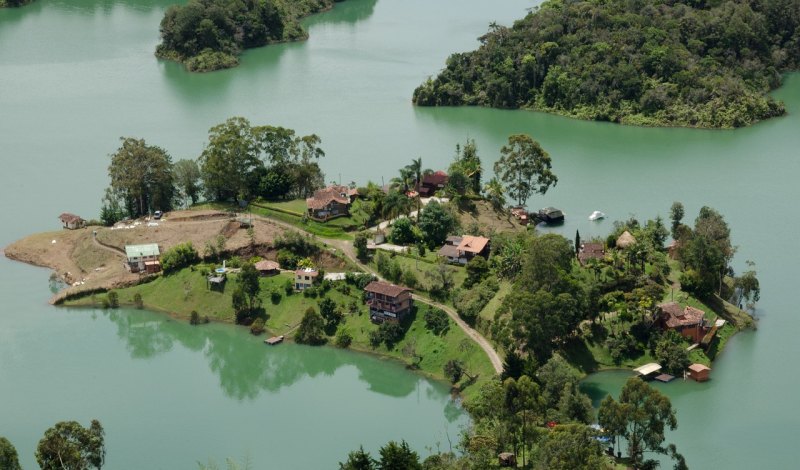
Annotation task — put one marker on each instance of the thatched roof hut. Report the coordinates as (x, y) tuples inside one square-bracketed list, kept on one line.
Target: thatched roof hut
[(625, 240)]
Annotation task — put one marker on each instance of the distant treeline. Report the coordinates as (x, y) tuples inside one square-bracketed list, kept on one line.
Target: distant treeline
[(14, 3), (208, 35), (689, 63)]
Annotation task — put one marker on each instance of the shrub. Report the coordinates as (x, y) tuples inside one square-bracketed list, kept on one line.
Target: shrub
[(257, 327), (137, 301), (454, 370), (288, 287), (275, 296), (287, 259), (194, 318), (391, 333), (343, 338), (409, 279), (113, 299), (297, 244), (436, 321), (179, 256), (403, 232)]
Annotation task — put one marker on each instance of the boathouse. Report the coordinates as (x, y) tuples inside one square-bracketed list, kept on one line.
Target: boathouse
[(698, 372)]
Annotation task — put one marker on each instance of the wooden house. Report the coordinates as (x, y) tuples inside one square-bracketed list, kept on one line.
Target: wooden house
[(305, 278), (686, 321), (462, 249), (388, 302), (71, 221), (328, 203), (143, 258), (698, 372)]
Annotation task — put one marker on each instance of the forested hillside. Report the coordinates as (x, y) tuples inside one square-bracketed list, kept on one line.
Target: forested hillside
[(655, 63), (208, 35)]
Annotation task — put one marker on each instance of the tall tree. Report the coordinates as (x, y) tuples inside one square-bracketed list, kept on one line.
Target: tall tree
[(571, 447), (676, 213), (248, 280), (641, 417), (311, 328), (358, 460), (8, 455), (436, 223), (68, 445), (396, 456), (229, 159), (525, 168), (142, 176), (187, 180)]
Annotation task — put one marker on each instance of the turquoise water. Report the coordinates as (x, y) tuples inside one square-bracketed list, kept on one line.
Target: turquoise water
[(77, 75)]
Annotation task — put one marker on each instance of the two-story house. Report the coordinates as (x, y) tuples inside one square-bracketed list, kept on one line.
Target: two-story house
[(143, 258), (388, 302), (462, 249), (305, 278), (330, 202)]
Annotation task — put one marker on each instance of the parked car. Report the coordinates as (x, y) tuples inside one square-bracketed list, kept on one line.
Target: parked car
[(157, 215)]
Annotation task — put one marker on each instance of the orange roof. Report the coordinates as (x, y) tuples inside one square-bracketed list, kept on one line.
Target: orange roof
[(471, 244), (307, 272), (698, 368)]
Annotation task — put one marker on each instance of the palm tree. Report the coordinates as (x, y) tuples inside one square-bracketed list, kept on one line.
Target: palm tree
[(416, 169), (495, 193), (403, 181), (395, 204)]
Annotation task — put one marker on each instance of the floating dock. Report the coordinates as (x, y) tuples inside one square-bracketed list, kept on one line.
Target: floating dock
[(274, 340)]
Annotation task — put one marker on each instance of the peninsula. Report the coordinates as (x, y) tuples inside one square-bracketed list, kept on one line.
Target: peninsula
[(690, 64), (207, 35)]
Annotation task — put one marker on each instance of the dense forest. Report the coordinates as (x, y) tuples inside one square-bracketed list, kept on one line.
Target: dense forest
[(693, 63), (208, 35)]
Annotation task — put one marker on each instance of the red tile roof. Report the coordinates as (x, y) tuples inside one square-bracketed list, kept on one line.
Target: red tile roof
[(323, 197), (591, 250), (389, 290), (674, 316), (435, 179), (68, 218)]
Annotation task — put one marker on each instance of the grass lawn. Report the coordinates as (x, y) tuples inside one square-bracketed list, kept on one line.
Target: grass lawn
[(421, 267), (180, 293), (325, 230)]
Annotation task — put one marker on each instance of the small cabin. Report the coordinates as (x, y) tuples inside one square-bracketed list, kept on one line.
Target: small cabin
[(71, 221), (143, 258), (507, 459), (699, 372)]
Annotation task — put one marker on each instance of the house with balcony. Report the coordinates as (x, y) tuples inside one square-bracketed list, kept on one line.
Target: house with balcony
[(388, 302), (687, 321)]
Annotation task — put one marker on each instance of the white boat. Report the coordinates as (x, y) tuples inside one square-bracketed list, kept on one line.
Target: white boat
[(597, 215)]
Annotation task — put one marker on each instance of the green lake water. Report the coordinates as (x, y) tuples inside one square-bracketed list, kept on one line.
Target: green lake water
[(76, 75)]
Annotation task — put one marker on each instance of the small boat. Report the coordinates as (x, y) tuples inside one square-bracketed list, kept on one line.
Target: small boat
[(597, 215), (551, 215), (274, 340)]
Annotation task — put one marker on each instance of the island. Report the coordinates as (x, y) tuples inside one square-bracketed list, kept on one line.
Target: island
[(434, 270), (690, 64), (207, 35)]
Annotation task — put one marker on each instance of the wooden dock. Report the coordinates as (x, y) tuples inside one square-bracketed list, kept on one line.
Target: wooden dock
[(274, 340)]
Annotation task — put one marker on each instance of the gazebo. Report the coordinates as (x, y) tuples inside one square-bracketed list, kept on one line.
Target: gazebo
[(625, 240), (267, 268)]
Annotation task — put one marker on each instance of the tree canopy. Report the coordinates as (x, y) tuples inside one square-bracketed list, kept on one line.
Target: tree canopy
[(208, 35), (70, 445), (525, 168), (659, 63), (142, 177)]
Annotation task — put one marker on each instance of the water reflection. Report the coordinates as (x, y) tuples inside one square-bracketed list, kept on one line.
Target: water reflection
[(245, 366), (351, 11)]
